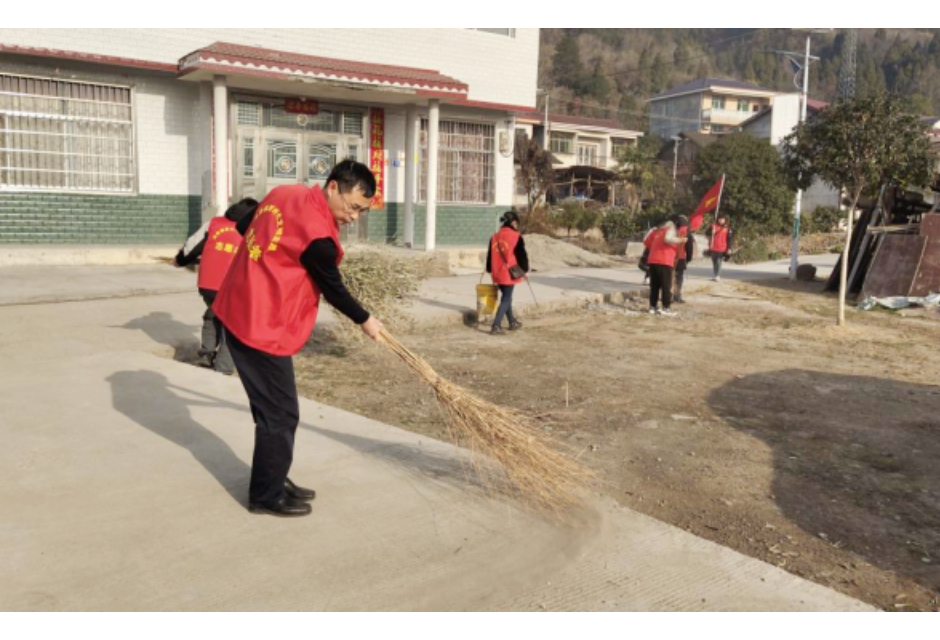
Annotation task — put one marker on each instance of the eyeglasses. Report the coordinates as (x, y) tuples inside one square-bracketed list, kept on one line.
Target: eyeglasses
[(353, 208)]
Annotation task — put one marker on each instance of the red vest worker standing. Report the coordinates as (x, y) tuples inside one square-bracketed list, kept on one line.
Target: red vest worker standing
[(506, 252), (719, 244), (663, 244)]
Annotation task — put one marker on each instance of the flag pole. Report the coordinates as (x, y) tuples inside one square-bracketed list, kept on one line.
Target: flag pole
[(721, 192)]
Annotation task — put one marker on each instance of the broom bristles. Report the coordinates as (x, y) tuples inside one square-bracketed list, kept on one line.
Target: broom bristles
[(530, 461)]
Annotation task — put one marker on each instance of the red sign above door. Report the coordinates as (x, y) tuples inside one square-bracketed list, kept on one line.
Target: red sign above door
[(300, 105)]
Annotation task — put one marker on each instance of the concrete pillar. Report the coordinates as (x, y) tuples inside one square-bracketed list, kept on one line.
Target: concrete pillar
[(412, 161), (220, 142), (430, 231)]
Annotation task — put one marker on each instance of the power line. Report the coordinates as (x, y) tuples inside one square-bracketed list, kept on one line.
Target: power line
[(609, 109)]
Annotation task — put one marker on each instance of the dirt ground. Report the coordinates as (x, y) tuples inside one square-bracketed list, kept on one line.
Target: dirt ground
[(749, 420)]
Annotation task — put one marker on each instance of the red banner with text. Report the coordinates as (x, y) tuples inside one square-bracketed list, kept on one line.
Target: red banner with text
[(377, 155)]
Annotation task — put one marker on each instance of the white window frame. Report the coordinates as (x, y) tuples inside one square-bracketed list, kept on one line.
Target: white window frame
[(562, 137)]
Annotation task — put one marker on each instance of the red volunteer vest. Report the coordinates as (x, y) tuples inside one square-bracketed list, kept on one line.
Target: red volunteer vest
[(719, 243), (268, 300), (660, 252), (682, 252), (222, 243), (502, 243)]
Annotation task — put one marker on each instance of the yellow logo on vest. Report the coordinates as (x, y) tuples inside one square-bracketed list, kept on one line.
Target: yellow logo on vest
[(251, 240)]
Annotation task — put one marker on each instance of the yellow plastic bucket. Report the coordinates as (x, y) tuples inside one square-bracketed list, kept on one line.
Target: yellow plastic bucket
[(487, 297)]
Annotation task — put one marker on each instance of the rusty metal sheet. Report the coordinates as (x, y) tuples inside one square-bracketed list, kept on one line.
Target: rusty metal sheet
[(894, 266)]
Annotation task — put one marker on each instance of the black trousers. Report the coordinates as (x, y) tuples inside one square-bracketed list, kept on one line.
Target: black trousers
[(681, 266), (660, 282), (213, 337), (272, 393)]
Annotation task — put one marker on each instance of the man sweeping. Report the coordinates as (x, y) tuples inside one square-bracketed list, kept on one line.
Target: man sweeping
[(268, 305)]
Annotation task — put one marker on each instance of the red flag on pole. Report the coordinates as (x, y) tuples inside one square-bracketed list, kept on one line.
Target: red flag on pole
[(710, 202)]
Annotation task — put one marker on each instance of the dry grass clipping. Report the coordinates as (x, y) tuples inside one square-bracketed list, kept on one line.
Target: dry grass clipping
[(525, 457), (385, 283)]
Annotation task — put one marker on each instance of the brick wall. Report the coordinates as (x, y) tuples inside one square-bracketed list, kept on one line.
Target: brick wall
[(456, 226)]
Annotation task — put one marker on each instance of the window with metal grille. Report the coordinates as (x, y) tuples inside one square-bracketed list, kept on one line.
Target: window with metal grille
[(352, 123), (326, 121), (249, 113), (248, 160), (58, 135), (466, 162)]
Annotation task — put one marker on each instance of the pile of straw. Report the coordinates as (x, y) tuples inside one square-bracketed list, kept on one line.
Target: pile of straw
[(383, 281)]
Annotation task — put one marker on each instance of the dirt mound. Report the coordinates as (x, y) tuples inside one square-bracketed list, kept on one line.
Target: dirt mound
[(546, 253)]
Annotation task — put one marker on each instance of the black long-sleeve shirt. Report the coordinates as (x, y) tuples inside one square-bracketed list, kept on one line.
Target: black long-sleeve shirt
[(319, 259)]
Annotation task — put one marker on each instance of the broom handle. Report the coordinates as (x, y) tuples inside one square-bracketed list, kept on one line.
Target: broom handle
[(532, 291), (414, 362)]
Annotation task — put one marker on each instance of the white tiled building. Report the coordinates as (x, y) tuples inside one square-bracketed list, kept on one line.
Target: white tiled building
[(136, 136)]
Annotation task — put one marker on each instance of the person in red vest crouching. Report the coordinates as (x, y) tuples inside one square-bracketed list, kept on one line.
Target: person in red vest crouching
[(663, 244), (507, 263), (214, 246), (269, 303)]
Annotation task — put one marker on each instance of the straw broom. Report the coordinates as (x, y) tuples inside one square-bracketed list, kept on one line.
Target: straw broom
[(529, 461)]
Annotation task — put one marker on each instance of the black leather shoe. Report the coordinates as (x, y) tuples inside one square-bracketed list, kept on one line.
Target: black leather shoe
[(497, 331), (284, 508), (515, 326), (299, 493)]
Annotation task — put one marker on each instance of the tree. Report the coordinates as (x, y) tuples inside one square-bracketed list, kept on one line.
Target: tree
[(756, 194), (618, 224), (647, 179), (535, 170), (859, 146), (630, 112), (659, 75), (587, 219), (598, 86), (567, 216), (566, 64)]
